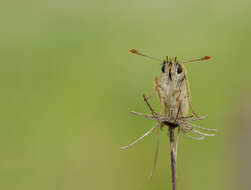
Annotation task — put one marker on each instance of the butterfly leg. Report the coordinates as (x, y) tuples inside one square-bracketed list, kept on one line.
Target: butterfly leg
[(189, 99), (156, 88)]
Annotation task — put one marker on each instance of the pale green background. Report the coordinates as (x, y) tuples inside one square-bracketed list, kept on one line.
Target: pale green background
[(68, 83)]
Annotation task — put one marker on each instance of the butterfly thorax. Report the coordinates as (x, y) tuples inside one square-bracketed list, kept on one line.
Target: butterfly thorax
[(173, 89)]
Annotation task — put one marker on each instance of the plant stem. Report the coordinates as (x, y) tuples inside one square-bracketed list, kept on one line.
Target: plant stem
[(173, 160)]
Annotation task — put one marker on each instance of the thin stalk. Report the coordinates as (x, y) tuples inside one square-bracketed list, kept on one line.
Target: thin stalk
[(173, 159)]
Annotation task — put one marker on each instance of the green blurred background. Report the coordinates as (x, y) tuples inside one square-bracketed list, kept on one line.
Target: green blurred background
[(68, 83)]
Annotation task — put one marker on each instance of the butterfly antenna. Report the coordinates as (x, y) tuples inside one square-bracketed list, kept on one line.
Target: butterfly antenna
[(138, 53), (200, 59)]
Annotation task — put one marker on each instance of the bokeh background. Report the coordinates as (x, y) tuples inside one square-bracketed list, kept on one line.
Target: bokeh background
[(68, 83)]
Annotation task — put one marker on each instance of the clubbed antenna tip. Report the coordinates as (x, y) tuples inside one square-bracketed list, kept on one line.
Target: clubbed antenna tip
[(207, 57), (200, 59), (138, 53), (133, 50)]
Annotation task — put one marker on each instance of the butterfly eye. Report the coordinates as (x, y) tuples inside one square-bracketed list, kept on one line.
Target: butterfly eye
[(163, 67), (179, 70)]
